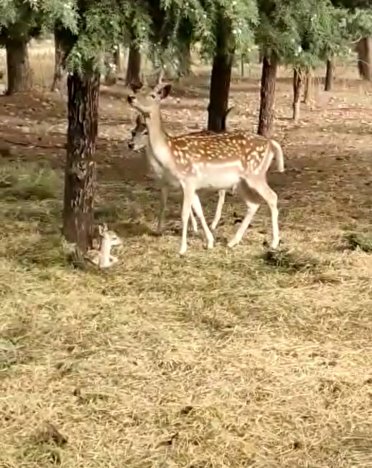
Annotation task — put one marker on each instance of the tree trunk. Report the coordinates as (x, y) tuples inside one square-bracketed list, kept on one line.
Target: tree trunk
[(221, 77), (134, 65), (117, 59), (242, 63), (267, 97), (364, 50), (18, 66), (307, 87), (329, 76), (297, 87), (80, 172), (184, 68), (59, 56), (260, 56)]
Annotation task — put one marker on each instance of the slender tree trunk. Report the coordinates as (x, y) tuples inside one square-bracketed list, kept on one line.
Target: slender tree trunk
[(18, 66), (117, 59), (242, 63), (59, 56), (307, 87), (297, 87), (329, 76), (185, 61), (260, 55), (134, 65), (80, 172), (364, 50), (221, 77), (268, 84)]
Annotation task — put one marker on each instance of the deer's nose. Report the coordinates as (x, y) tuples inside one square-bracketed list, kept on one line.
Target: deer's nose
[(131, 99), (130, 144)]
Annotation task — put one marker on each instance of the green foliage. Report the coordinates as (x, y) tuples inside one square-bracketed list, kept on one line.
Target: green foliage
[(303, 33), (23, 19), (176, 23)]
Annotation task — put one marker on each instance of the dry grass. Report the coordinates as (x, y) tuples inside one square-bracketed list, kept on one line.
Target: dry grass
[(220, 359)]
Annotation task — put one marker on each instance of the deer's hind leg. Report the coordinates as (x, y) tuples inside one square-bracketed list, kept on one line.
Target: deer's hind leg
[(217, 216), (252, 202), (261, 187)]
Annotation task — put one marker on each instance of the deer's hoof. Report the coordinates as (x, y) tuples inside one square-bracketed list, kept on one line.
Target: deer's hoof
[(232, 244), (182, 251)]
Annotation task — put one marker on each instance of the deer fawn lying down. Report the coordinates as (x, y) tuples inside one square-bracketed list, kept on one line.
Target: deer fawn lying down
[(216, 161), (102, 257), (139, 140)]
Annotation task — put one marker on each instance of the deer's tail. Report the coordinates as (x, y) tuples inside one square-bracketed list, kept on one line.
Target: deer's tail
[(279, 156)]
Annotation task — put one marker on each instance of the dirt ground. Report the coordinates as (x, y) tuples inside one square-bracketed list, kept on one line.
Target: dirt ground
[(224, 358)]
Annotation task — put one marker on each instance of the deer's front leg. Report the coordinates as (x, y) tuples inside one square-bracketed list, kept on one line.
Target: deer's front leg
[(188, 195), (199, 213), (163, 205)]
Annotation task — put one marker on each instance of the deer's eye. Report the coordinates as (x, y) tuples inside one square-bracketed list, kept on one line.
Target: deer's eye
[(153, 96), (145, 132), (133, 133)]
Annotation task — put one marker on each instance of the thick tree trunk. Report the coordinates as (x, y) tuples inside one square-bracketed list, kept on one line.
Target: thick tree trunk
[(268, 84), (221, 77), (134, 65), (307, 87), (18, 66), (59, 56), (329, 76), (297, 87), (80, 172), (364, 50)]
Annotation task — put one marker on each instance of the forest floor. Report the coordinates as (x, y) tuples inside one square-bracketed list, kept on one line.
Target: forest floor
[(223, 358)]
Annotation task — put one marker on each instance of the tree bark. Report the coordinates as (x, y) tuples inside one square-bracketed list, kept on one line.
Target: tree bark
[(80, 172), (134, 65), (329, 76), (221, 77), (267, 95), (297, 87), (18, 66), (364, 50), (59, 56)]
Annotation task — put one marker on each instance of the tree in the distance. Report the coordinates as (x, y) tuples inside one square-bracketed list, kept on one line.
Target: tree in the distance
[(19, 22), (299, 34)]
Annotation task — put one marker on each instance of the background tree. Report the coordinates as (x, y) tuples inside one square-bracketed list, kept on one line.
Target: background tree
[(59, 58), (361, 12), (19, 22)]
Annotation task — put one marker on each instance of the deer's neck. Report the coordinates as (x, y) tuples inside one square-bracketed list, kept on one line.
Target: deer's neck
[(158, 141)]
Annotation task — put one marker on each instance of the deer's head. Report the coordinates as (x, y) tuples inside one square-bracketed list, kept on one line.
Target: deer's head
[(148, 103), (109, 236), (139, 134)]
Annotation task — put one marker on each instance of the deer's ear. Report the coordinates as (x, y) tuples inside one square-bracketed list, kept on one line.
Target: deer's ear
[(140, 119), (136, 86), (102, 228), (165, 90)]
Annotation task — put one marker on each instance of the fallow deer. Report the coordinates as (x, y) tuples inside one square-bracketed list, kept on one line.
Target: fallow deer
[(102, 257), (139, 140), (215, 161)]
